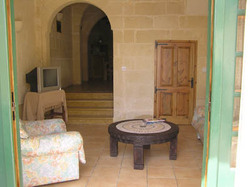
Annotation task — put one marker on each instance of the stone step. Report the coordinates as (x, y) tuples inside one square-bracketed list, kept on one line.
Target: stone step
[(94, 112), (90, 108), (89, 96), (77, 120), (90, 103)]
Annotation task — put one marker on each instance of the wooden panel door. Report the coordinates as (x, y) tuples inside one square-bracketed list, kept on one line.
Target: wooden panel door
[(174, 82)]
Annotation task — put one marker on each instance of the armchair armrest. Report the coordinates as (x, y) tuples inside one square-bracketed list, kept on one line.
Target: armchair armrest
[(51, 144), (199, 121), (44, 127)]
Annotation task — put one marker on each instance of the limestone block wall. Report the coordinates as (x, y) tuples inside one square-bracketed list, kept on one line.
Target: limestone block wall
[(77, 13), (61, 47), (27, 58), (136, 24), (135, 32)]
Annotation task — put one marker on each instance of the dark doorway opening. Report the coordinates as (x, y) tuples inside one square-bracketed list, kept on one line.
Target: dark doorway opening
[(100, 52)]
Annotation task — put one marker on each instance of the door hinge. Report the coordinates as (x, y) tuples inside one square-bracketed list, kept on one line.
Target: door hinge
[(209, 110), (13, 106), (157, 43), (159, 89)]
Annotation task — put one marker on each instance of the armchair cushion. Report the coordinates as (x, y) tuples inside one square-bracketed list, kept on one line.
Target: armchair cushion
[(44, 127), (23, 133)]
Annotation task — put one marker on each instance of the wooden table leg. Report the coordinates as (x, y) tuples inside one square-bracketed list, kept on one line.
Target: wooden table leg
[(138, 157), (113, 147), (146, 147), (173, 149), (63, 113)]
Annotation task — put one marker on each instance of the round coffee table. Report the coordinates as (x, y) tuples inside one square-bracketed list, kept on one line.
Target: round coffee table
[(142, 136)]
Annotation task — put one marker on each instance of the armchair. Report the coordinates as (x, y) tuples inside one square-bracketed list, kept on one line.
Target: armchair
[(50, 154), (199, 121)]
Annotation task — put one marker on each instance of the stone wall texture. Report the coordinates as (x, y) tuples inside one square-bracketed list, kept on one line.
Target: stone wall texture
[(136, 25), (61, 46)]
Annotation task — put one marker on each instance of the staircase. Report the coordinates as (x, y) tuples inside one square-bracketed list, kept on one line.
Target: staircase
[(90, 108)]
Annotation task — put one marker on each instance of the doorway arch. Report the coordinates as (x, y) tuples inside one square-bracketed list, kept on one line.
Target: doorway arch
[(84, 17)]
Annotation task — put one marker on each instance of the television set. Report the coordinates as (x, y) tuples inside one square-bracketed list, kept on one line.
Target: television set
[(42, 79)]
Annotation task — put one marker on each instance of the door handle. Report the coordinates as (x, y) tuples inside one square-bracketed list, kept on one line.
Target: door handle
[(192, 82), (159, 89)]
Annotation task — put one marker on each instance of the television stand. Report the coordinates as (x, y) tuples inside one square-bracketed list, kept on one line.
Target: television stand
[(36, 105), (52, 112)]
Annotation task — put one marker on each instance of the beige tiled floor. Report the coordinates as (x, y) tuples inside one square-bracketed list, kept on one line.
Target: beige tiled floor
[(102, 170)]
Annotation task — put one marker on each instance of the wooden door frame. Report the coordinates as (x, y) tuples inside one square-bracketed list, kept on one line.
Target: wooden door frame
[(159, 42)]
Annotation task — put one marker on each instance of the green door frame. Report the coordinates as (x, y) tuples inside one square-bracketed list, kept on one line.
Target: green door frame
[(10, 148), (216, 167), (222, 27)]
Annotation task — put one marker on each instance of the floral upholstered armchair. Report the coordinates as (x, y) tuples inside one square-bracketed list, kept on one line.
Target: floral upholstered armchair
[(50, 154), (199, 121)]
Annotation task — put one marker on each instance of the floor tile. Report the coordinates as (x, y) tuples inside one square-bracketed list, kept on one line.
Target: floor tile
[(159, 162), (187, 173), (188, 163), (193, 154), (105, 171), (106, 152), (86, 170), (160, 146), (75, 183), (157, 153), (132, 173), (189, 182), (110, 161), (104, 181), (160, 172), (161, 182), (132, 182), (128, 162), (91, 160)]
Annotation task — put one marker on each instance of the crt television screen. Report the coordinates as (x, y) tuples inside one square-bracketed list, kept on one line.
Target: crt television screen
[(50, 77)]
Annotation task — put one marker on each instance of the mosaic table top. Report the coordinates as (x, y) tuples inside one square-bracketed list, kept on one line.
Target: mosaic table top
[(140, 127)]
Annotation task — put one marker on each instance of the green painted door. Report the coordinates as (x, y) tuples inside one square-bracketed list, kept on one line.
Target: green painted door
[(9, 138), (224, 62)]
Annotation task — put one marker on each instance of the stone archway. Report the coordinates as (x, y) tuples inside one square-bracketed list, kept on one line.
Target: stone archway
[(69, 45), (45, 21)]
